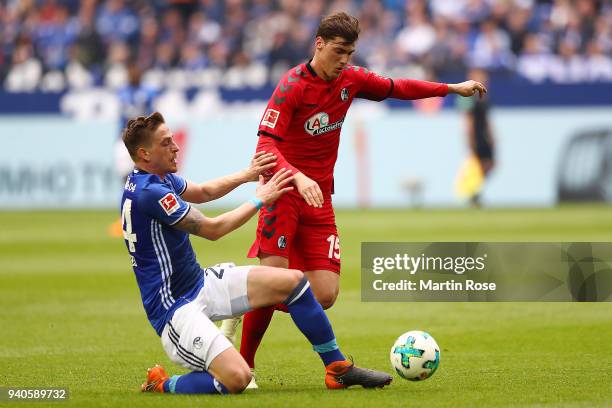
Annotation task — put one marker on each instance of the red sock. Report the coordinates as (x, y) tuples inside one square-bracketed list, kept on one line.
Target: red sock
[(254, 326)]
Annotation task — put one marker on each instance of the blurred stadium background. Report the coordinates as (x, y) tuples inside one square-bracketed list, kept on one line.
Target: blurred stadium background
[(70, 309), (210, 66)]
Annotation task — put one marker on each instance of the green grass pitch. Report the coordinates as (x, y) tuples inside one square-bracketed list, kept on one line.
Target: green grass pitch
[(71, 317)]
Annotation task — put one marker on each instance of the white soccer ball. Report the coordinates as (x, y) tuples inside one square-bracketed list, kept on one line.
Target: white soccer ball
[(415, 355)]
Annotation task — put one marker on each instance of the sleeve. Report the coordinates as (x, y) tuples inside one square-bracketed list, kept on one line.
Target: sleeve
[(163, 204), (372, 86), (377, 88), (178, 183), (276, 119)]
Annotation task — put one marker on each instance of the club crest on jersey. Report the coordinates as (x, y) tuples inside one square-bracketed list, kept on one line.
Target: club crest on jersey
[(270, 118), (169, 203), (344, 94), (282, 242), (318, 124), (198, 343)]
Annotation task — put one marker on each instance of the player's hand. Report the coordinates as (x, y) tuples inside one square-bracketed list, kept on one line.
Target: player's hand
[(309, 190), (261, 162), (467, 88), (275, 187)]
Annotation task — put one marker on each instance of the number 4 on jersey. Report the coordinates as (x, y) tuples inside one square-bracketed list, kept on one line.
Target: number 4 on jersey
[(334, 247), (126, 219)]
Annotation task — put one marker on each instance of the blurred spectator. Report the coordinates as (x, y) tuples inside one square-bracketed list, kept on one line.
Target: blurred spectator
[(116, 70), (147, 42), (203, 30), (599, 67), (84, 43), (568, 66), (534, 60), (417, 37), (492, 48), (116, 22), (25, 70), (54, 35), (192, 58)]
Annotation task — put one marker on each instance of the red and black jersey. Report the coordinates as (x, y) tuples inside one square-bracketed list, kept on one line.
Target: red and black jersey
[(304, 116)]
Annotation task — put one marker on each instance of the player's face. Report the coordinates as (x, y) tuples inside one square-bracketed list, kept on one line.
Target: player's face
[(333, 55), (163, 151)]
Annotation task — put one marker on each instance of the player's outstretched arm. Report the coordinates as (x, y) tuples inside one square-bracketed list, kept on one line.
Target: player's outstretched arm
[(377, 88), (214, 228), (217, 188)]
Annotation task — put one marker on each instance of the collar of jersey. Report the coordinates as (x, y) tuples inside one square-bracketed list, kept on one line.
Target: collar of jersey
[(310, 69), (141, 171)]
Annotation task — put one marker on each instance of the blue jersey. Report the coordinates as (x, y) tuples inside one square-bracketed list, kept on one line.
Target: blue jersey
[(163, 260)]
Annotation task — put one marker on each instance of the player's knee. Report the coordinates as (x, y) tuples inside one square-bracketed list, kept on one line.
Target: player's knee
[(295, 277), (327, 299), (237, 379), (290, 280)]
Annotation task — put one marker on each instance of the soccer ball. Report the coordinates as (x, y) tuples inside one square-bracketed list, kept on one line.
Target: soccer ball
[(415, 355)]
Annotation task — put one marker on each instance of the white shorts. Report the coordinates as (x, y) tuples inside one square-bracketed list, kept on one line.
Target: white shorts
[(190, 338)]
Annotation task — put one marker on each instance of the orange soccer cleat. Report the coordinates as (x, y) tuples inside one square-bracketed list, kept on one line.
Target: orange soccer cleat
[(343, 374), (156, 377)]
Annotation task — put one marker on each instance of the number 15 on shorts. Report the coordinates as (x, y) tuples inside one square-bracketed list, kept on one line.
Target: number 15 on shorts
[(334, 247)]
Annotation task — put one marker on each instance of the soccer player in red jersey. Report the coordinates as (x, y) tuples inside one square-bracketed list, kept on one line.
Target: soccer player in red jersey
[(301, 126)]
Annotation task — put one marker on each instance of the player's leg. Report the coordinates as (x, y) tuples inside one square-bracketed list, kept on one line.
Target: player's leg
[(256, 322), (227, 373), (266, 286), (192, 340), (325, 286), (275, 232), (319, 245)]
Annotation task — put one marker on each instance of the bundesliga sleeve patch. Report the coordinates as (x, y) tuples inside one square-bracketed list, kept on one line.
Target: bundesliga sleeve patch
[(270, 118), (169, 203)]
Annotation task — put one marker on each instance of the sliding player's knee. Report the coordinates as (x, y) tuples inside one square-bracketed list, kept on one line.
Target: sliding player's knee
[(288, 279), (296, 277), (236, 379)]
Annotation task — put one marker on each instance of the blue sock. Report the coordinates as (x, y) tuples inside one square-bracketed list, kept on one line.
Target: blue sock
[(196, 382), (309, 317)]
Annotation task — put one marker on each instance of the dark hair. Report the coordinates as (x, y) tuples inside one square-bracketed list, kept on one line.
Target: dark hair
[(339, 25), (138, 131)]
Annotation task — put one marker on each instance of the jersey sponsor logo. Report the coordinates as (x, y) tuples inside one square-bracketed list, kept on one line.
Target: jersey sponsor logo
[(344, 94), (270, 118), (169, 203), (318, 124)]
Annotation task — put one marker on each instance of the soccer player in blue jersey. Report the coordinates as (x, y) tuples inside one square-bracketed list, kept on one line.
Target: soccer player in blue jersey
[(182, 299)]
